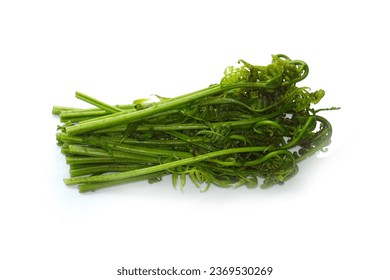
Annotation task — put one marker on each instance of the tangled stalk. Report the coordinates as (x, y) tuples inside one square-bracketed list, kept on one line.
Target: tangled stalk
[(256, 123)]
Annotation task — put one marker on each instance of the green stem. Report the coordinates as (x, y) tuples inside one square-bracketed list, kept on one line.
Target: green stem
[(97, 152), (99, 169), (191, 141), (268, 156), (194, 126), (106, 116), (271, 123), (107, 142), (97, 160), (86, 114), (181, 162), (149, 151), (171, 104), (150, 142), (161, 167), (90, 187), (57, 110), (97, 103)]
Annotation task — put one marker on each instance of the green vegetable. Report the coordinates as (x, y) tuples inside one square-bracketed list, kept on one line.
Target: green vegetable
[(256, 123)]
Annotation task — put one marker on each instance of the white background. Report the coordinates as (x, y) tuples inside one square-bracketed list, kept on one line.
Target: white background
[(329, 222)]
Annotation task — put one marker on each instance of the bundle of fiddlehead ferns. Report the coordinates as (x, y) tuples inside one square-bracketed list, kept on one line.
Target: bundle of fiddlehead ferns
[(256, 123)]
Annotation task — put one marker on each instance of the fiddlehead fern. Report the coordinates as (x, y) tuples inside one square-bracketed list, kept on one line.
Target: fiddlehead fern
[(256, 123)]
